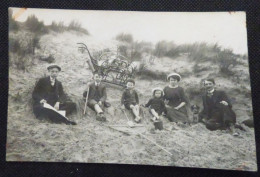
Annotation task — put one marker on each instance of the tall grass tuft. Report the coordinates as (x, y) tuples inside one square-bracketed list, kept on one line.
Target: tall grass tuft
[(144, 73), (35, 26), (166, 49)]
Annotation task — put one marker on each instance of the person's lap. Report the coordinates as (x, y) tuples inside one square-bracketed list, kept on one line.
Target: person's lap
[(177, 115)]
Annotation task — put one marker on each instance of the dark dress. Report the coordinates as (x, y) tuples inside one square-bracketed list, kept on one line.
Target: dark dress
[(176, 96), (52, 94), (217, 115), (157, 104)]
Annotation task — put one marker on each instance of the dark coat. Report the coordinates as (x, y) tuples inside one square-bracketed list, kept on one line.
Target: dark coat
[(226, 112), (43, 90), (100, 90)]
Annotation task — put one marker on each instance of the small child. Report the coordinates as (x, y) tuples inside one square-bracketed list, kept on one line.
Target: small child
[(156, 104), (130, 99), (97, 96)]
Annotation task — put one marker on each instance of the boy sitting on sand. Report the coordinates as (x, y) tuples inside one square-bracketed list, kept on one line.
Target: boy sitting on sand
[(156, 104), (97, 96), (130, 99)]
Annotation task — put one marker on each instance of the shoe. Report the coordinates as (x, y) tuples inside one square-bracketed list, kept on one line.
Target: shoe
[(71, 123), (99, 117), (103, 117), (137, 119), (236, 134), (107, 104)]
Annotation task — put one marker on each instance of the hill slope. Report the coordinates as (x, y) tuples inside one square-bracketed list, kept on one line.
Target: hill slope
[(29, 139)]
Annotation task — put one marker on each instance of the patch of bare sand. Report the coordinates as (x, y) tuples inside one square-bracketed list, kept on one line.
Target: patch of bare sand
[(29, 139)]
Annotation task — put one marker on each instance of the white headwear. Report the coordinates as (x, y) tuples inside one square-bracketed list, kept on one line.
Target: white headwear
[(158, 88), (173, 74)]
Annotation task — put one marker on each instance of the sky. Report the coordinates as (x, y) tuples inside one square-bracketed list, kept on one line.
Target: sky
[(228, 29)]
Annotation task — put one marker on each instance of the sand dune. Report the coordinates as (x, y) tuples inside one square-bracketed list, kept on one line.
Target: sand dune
[(29, 139)]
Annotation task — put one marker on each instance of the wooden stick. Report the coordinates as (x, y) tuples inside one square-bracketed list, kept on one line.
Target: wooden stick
[(126, 125), (155, 143), (125, 115), (86, 102)]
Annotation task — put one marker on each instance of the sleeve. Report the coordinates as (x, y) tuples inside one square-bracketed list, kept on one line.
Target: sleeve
[(136, 98), (104, 94), (62, 94), (163, 106), (149, 103), (183, 97), (85, 93), (123, 98), (203, 114), (225, 98), (89, 89), (37, 92), (165, 93)]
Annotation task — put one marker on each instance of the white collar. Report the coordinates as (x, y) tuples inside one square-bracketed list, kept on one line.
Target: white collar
[(96, 84), (52, 79), (211, 91)]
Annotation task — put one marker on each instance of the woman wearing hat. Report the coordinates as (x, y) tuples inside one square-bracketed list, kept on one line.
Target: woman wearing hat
[(176, 100)]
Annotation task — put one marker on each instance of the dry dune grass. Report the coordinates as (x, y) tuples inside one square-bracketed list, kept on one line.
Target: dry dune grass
[(29, 139)]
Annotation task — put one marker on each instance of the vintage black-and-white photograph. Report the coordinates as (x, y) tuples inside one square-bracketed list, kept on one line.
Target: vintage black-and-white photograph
[(125, 87)]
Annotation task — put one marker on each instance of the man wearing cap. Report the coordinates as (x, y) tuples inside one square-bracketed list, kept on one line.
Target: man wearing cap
[(49, 90), (217, 112)]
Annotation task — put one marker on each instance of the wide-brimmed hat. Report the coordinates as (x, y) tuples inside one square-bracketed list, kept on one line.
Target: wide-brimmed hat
[(175, 75), (158, 88), (54, 66)]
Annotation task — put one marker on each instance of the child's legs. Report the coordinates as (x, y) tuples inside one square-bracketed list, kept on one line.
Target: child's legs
[(134, 110), (137, 109), (154, 113), (98, 109), (94, 104)]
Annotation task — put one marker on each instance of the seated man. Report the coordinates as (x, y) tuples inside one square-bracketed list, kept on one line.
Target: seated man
[(96, 99), (217, 110), (49, 90)]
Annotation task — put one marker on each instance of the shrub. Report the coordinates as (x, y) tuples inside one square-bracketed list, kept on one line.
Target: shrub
[(164, 48), (128, 38), (76, 26), (198, 68), (58, 27), (122, 50), (14, 45), (144, 73), (225, 59), (13, 25), (34, 25)]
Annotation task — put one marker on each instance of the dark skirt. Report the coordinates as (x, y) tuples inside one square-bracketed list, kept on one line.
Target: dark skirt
[(180, 115)]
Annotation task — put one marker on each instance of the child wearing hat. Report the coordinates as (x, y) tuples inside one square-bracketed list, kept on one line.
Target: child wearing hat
[(130, 99), (156, 104)]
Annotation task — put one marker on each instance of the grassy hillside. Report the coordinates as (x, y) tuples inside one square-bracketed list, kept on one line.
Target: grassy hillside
[(29, 139)]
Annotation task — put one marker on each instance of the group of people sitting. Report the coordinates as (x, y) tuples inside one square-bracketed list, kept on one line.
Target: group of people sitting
[(170, 102)]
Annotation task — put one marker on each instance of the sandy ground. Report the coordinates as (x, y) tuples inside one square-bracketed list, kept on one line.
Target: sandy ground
[(29, 139)]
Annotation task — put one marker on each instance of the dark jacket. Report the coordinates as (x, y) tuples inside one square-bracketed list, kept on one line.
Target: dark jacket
[(129, 98), (97, 93), (215, 106), (44, 90)]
